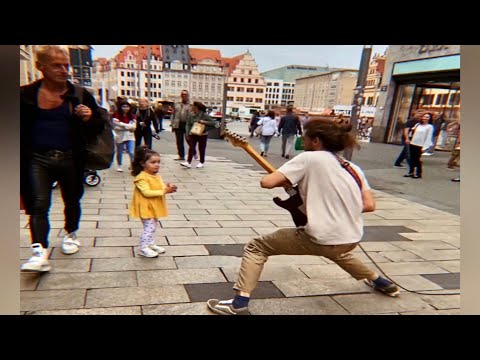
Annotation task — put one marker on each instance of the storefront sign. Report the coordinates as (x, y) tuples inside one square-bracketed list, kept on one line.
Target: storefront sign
[(343, 110), (368, 111)]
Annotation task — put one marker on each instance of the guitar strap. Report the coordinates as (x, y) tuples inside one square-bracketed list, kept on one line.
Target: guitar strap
[(346, 166)]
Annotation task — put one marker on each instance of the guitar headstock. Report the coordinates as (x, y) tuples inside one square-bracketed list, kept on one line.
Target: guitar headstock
[(235, 139)]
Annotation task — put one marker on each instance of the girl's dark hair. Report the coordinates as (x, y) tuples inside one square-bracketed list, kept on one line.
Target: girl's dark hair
[(271, 114), (142, 154), (334, 136)]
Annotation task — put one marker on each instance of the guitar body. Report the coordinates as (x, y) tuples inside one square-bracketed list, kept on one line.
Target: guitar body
[(293, 203)]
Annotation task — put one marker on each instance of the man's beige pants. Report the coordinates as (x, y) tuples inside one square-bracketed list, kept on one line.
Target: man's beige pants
[(294, 242)]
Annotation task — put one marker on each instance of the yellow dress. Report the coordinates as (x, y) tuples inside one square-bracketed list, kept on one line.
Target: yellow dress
[(148, 200)]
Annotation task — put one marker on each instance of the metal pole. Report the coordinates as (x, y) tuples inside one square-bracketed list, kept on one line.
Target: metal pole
[(358, 94), (149, 50), (224, 107)]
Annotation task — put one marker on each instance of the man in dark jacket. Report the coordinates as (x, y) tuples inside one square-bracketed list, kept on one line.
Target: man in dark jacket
[(289, 127), (54, 128), (253, 122)]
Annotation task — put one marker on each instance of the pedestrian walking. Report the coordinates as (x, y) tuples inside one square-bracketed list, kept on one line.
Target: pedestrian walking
[(124, 125), (419, 140), (269, 128), (146, 120), (289, 127)]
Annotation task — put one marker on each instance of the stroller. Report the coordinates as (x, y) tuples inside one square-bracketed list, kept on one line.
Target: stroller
[(90, 178)]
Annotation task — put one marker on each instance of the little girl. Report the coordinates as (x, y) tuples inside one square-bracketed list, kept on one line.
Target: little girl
[(149, 201)]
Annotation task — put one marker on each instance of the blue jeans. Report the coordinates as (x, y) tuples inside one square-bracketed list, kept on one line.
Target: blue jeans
[(265, 143), (130, 146)]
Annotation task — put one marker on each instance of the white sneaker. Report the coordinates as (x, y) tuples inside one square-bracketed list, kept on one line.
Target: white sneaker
[(147, 252), (157, 249), (199, 165), (427, 154), (70, 244), (186, 164), (39, 261), (119, 169)]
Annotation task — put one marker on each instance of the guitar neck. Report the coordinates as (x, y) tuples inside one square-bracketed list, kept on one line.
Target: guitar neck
[(259, 159)]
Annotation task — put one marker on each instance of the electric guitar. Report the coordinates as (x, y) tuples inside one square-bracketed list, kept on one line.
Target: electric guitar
[(291, 204)]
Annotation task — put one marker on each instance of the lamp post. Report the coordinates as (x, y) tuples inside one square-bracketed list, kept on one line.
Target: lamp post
[(358, 94)]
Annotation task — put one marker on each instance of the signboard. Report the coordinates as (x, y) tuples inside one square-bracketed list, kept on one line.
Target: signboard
[(343, 110), (368, 111)]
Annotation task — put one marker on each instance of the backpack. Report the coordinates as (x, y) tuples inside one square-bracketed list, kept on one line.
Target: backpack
[(100, 147)]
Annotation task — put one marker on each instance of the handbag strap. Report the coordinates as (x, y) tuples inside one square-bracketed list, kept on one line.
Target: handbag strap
[(346, 166)]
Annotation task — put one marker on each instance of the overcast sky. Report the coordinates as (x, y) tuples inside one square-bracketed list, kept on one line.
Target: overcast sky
[(269, 57)]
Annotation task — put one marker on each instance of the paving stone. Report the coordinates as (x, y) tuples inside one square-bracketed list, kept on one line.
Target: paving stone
[(317, 305), (435, 229), (94, 253), (433, 312), (222, 291), (232, 212), (197, 308), (384, 233), (29, 281), (187, 250), (378, 303), (136, 296), (228, 250), (411, 268), (203, 262), (127, 310), (213, 217), (134, 224), (126, 264), (264, 231), (296, 259), (224, 231), (179, 276), (400, 256), (51, 300), (70, 266), (112, 211), (311, 287), (437, 222), (270, 272), (429, 254), (190, 224), (449, 265), (87, 280), (113, 217), (325, 272), (271, 218), (424, 245), (240, 239), (379, 246), (187, 211), (442, 302), (415, 283), (103, 232), (201, 240), (385, 222), (446, 281), (130, 241), (431, 236)]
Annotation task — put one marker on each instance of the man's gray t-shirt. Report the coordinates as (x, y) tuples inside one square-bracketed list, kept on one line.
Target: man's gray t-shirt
[(333, 203)]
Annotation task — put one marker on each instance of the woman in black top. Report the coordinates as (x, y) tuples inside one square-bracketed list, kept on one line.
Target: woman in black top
[(145, 118)]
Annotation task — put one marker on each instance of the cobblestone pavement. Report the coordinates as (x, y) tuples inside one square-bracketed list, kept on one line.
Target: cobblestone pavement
[(216, 210)]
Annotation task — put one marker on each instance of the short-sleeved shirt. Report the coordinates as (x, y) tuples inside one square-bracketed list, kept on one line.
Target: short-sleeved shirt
[(332, 199)]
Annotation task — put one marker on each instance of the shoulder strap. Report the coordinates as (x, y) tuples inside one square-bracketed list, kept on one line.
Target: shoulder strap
[(346, 166)]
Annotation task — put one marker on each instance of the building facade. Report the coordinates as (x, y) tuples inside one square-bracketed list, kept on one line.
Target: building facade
[(316, 93), (245, 85), (417, 78), (176, 70), (207, 77), (374, 79), (281, 83)]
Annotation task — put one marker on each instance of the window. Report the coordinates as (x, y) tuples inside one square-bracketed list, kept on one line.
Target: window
[(258, 100), (123, 83), (185, 84), (250, 90), (426, 100), (200, 86), (229, 98), (213, 87), (441, 99), (249, 81), (259, 91), (146, 93), (241, 80), (234, 79), (128, 92), (250, 72), (256, 81), (240, 89), (219, 87), (122, 73), (239, 99), (179, 83), (123, 92), (249, 100), (230, 88), (194, 85)]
